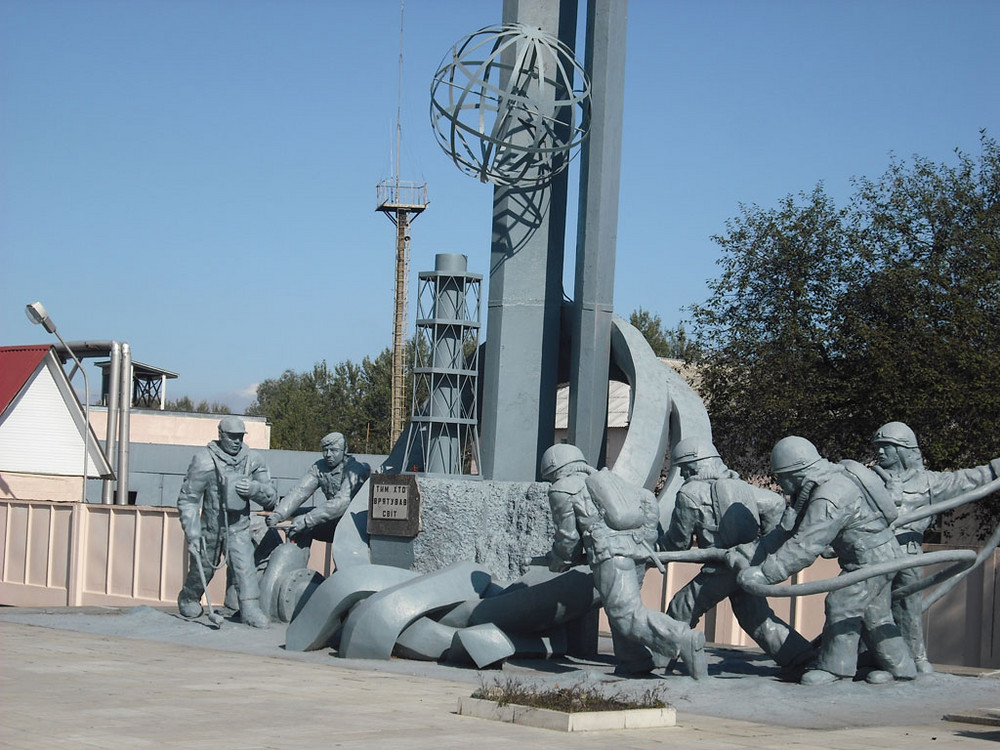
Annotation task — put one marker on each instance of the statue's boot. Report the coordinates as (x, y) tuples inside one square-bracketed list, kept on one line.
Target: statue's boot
[(819, 677), (924, 666), (692, 653), (878, 677), (251, 614), (188, 604)]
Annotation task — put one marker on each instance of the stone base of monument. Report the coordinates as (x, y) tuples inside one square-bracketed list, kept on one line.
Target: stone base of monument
[(581, 721)]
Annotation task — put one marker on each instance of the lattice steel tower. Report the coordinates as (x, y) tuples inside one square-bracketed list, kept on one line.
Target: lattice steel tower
[(446, 369), (400, 201)]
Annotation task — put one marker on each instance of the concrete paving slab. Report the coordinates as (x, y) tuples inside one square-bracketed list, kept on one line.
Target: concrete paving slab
[(141, 678)]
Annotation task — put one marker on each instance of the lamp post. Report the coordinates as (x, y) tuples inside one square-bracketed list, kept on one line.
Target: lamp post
[(37, 314)]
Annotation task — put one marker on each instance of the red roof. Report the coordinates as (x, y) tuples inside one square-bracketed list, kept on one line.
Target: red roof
[(17, 364)]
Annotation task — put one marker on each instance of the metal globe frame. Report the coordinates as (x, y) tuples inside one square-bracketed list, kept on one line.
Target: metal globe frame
[(503, 105)]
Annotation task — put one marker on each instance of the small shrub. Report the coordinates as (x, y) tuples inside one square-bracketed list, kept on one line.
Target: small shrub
[(572, 699)]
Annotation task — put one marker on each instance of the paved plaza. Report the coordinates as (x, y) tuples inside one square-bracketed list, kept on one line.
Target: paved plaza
[(146, 678)]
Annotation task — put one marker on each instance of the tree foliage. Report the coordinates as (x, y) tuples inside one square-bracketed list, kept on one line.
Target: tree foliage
[(185, 404), (354, 399), (669, 343), (827, 322)]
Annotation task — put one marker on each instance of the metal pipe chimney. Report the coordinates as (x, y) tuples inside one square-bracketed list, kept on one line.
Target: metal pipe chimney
[(111, 436), (121, 498)]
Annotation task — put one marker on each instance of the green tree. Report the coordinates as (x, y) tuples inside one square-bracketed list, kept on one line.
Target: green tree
[(922, 330), (672, 344), (828, 322), (768, 329), (354, 399), (185, 404), (296, 407)]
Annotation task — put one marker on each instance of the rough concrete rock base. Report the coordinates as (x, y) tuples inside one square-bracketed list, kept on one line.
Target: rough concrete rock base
[(499, 525)]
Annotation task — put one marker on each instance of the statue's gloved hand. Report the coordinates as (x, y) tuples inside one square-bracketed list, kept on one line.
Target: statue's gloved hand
[(266, 502), (751, 576), (195, 545), (788, 518), (299, 524), (892, 483), (193, 534), (243, 487), (273, 520), (739, 557)]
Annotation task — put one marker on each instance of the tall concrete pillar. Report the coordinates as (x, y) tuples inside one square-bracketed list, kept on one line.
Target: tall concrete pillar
[(597, 228), (525, 293)]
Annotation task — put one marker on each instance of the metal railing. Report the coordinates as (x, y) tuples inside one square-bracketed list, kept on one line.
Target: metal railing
[(401, 193)]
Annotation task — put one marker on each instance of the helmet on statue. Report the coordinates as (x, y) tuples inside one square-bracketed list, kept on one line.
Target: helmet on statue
[(793, 453), (895, 433), (558, 456), (693, 449)]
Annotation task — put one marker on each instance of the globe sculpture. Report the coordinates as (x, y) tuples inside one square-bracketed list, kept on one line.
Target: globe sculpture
[(504, 108)]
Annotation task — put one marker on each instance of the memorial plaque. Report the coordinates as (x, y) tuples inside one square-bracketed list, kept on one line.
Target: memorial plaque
[(394, 505)]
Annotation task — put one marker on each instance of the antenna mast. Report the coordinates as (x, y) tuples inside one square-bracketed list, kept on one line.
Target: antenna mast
[(400, 200)]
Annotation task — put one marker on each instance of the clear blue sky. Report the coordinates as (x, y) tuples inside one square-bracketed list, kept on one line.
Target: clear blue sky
[(197, 177)]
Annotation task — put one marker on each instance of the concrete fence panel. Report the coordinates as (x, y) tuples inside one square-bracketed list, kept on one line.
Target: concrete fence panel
[(73, 554)]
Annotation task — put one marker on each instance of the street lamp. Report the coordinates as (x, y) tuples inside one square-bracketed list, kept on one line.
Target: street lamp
[(37, 314)]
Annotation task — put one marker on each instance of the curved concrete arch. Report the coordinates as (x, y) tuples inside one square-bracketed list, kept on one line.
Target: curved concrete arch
[(664, 410), (286, 557), (641, 455), (536, 602), (483, 645), (430, 640), (688, 418), (425, 640)]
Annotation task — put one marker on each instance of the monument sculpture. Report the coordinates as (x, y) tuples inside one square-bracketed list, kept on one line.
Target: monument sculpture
[(716, 509), (214, 506), (901, 466), (466, 578), (286, 579), (614, 526), (339, 476), (835, 510)]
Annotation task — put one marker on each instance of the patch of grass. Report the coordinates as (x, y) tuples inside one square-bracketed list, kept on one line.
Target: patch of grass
[(572, 699)]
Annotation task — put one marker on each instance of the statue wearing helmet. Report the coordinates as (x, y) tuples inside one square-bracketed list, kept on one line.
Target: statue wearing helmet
[(835, 511), (612, 525), (901, 466), (558, 457), (214, 509), (715, 508)]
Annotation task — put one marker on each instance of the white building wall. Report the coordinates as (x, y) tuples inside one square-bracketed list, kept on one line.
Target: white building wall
[(38, 434)]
